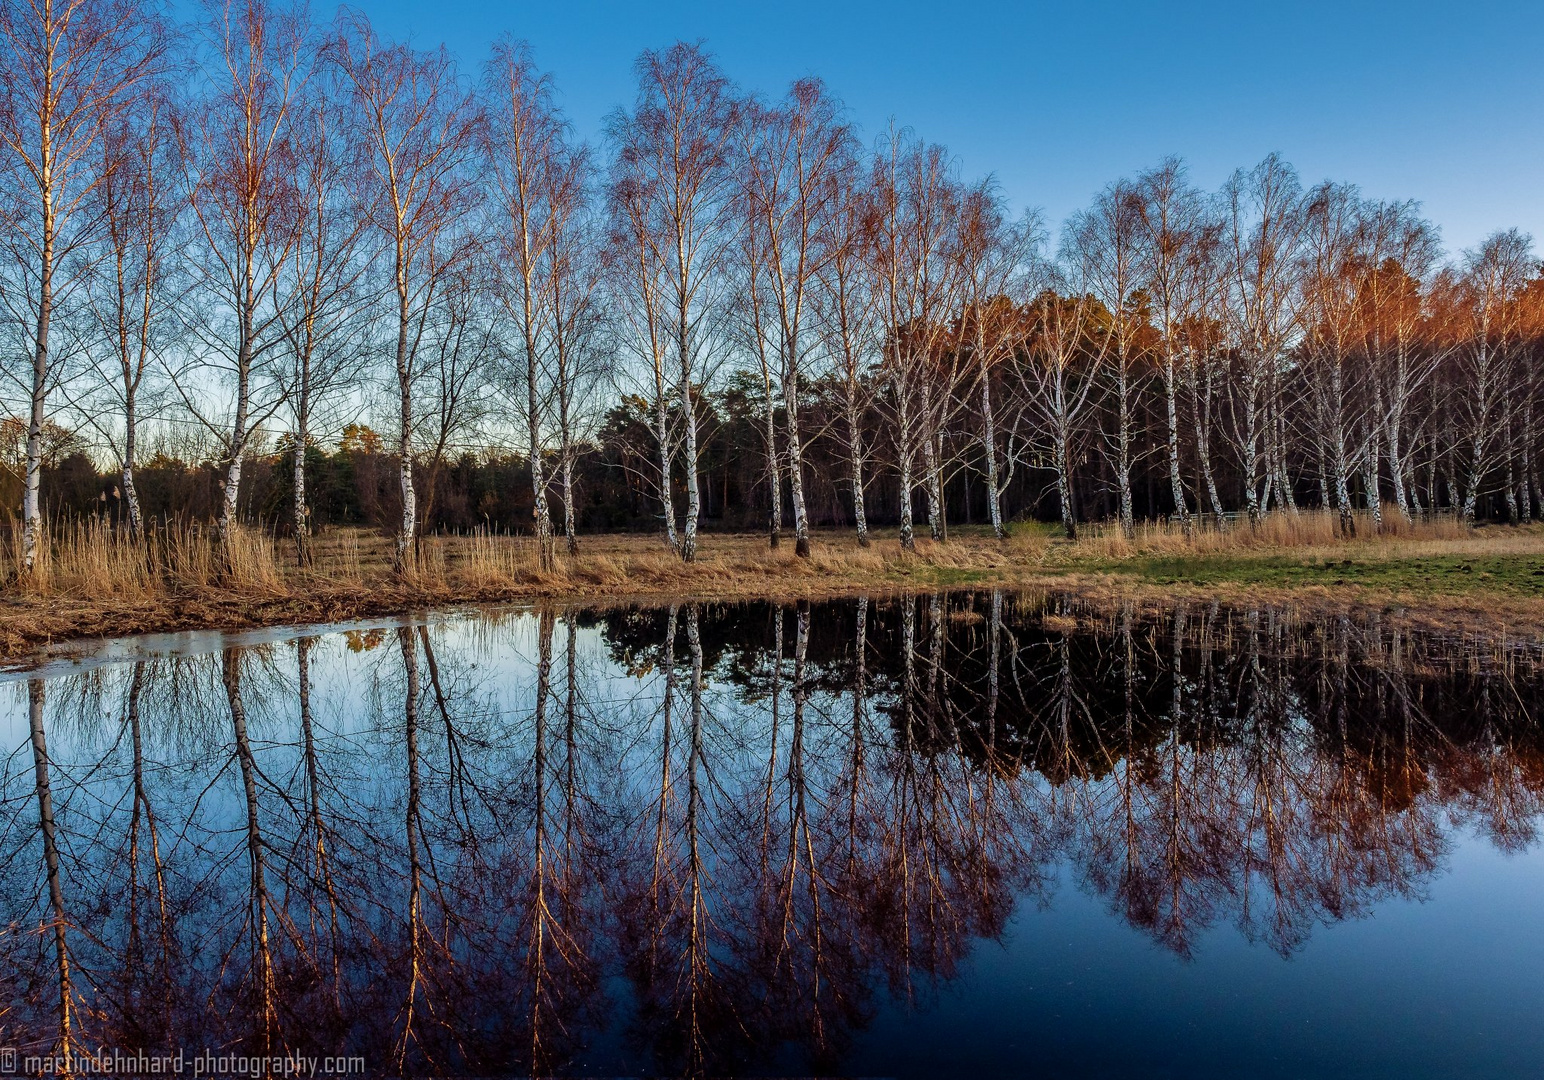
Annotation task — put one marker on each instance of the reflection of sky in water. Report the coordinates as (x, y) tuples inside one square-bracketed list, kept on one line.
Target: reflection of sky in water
[(1450, 987), (1378, 981)]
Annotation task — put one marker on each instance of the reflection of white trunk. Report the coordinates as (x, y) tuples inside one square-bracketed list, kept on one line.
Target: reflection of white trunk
[(50, 834), (698, 955), (319, 850), (417, 930), (542, 928), (144, 812), (995, 633), (257, 903), (659, 851), (855, 763)]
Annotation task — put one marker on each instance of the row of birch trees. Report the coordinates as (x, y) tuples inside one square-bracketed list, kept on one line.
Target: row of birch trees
[(259, 222)]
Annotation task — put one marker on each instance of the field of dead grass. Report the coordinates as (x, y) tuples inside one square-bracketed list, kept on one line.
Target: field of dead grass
[(93, 582)]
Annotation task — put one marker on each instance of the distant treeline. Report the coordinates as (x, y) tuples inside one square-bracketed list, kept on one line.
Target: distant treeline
[(356, 483)]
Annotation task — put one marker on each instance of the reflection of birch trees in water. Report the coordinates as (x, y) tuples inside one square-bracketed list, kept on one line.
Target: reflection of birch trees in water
[(706, 836)]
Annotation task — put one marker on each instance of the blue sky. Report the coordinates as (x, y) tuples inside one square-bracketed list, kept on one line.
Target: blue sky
[(1442, 102)]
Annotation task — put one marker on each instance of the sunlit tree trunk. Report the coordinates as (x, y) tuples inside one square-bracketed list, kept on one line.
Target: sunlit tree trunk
[(994, 507), (1202, 394), (689, 451), (301, 509), (933, 482), (1370, 477)]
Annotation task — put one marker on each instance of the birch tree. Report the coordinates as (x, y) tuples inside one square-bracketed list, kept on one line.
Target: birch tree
[(581, 332), (846, 307), (1262, 213), (636, 283), (1176, 254), (135, 296), (240, 187), (915, 203), (674, 171), (71, 69), (1401, 249), (792, 183), (524, 149), (1331, 265), (324, 285), (755, 330), (417, 124), (1105, 241), (1488, 291), (1058, 370), (994, 253), (549, 260)]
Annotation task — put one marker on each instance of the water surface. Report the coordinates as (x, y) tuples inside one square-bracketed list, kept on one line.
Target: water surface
[(959, 834)]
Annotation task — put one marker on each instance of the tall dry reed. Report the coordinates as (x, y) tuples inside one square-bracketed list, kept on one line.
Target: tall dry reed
[(93, 560), (1276, 530)]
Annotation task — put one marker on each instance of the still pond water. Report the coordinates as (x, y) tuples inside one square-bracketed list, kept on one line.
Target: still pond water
[(963, 834)]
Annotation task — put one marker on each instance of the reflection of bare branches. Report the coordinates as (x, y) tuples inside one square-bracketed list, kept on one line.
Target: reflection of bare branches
[(791, 950), (557, 969), (785, 816)]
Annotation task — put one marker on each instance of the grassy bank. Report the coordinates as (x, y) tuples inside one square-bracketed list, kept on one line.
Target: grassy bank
[(93, 583), (1410, 562)]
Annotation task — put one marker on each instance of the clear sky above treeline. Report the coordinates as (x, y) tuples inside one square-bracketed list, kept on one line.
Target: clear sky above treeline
[(1437, 100)]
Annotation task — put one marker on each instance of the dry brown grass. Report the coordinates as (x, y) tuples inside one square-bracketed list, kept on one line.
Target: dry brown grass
[(1276, 532), (92, 561), (93, 581)]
